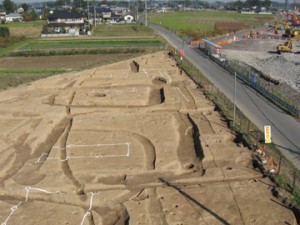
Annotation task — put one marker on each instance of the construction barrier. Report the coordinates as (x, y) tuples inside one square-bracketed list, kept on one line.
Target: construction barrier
[(225, 42), (196, 42)]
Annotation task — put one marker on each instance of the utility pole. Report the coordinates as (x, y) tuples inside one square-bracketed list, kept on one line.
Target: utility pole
[(137, 11), (95, 15), (146, 14), (88, 11)]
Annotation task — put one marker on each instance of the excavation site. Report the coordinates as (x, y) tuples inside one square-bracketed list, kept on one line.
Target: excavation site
[(134, 142)]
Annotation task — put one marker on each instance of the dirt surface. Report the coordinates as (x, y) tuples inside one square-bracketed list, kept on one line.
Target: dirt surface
[(67, 62), (112, 146), (261, 53)]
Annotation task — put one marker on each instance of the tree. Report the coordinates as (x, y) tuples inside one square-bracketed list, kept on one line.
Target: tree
[(267, 4), (32, 16), (79, 3), (9, 6), (25, 7), (4, 32)]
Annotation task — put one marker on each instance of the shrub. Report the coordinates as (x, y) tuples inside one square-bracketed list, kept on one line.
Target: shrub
[(4, 32), (38, 53)]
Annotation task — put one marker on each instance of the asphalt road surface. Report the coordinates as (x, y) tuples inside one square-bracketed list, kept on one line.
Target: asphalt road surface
[(285, 128)]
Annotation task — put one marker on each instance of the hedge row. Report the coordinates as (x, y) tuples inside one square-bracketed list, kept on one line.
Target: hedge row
[(78, 52)]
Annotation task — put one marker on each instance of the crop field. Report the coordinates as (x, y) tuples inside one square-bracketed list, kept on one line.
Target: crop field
[(36, 58), (122, 30), (90, 43), (34, 68), (205, 21), (27, 29)]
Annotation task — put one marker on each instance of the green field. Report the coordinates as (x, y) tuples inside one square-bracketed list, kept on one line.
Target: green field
[(122, 30), (38, 23), (89, 43), (204, 21), (31, 29)]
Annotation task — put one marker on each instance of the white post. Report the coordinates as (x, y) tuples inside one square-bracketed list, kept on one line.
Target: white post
[(234, 99)]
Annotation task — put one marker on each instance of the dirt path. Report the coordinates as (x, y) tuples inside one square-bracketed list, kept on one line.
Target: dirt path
[(111, 146)]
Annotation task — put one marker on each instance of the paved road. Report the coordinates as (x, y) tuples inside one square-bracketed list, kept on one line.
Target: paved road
[(285, 128)]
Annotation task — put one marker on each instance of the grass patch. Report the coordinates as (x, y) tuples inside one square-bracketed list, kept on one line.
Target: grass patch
[(122, 30), (31, 29), (8, 41), (90, 43), (13, 46), (18, 72), (204, 21)]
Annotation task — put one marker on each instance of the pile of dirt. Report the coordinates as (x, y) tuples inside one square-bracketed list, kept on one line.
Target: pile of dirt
[(261, 55), (283, 68), (114, 146)]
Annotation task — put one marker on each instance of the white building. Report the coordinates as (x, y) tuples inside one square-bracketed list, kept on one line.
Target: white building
[(13, 17), (128, 18), (2, 15)]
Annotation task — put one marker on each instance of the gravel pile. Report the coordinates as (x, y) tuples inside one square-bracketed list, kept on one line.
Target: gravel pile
[(283, 68)]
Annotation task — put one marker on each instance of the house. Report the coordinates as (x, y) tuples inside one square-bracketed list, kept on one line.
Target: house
[(128, 18), (103, 13), (2, 16), (13, 17), (119, 11), (65, 22)]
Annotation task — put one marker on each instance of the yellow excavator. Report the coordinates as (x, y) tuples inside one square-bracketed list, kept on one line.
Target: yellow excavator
[(286, 47), (288, 31)]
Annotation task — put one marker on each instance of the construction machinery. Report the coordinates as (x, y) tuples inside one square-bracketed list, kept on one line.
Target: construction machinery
[(288, 31), (286, 47), (292, 18)]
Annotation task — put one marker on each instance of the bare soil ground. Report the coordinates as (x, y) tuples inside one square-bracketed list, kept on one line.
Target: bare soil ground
[(111, 146), (68, 62), (72, 62), (261, 53)]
